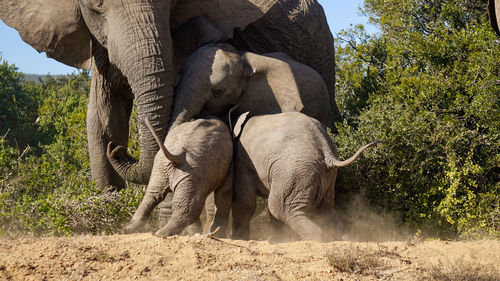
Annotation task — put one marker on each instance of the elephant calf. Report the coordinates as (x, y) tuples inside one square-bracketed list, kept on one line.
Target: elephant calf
[(217, 76), (290, 159), (194, 161)]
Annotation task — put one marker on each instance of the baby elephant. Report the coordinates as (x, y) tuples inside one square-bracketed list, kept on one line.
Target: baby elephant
[(217, 76), (194, 161), (290, 159)]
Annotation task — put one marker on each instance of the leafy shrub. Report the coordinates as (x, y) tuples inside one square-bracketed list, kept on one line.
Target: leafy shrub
[(429, 87), (17, 116), (45, 186)]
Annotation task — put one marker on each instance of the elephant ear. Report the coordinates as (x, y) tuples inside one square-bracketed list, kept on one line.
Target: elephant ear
[(494, 12), (276, 74), (51, 26)]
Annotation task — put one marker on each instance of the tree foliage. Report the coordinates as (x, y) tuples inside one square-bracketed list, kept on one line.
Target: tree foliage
[(45, 183), (16, 109), (428, 86)]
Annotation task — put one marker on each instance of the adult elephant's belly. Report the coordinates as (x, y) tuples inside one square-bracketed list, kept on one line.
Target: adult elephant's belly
[(226, 15)]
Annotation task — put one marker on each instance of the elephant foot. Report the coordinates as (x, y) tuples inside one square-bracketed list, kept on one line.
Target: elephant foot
[(172, 228), (240, 235), (164, 232), (193, 228), (133, 227)]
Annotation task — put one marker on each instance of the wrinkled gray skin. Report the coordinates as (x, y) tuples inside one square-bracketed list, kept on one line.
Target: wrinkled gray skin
[(199, 159), (217, 76), (494, 13), (289, 159), (129, 45)]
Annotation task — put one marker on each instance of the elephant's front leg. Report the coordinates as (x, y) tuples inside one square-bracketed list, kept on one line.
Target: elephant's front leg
[(108, 116)]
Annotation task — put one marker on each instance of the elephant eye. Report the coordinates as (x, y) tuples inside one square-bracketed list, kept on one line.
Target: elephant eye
[(217, 93)]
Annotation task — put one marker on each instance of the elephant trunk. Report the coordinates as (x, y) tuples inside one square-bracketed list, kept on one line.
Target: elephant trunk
[(146, 61), (188, 103)]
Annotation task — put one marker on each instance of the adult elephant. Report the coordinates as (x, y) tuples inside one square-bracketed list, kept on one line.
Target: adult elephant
[(494, 12), (129, 45)]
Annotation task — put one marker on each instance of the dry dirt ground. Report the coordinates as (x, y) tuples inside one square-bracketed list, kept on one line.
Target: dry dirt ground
[(201, 257)]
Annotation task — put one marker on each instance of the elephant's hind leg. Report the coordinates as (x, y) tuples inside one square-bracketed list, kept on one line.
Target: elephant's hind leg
[(192, 229), (223, 197), (165, 214), (304, 226), (295, 214), (186, 209), (153, 196), (243, 206)]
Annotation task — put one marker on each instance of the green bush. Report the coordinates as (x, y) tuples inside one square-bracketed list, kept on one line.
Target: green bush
[(17, 116), (45, 185), (428, 86)]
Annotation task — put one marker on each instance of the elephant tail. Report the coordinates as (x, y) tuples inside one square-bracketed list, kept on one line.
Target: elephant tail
[(174, 159), (333, 162)]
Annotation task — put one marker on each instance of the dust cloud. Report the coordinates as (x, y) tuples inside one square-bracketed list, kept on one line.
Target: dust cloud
[(356, 221)]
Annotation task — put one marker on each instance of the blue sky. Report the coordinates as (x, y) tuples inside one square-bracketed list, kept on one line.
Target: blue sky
[(340, 13)]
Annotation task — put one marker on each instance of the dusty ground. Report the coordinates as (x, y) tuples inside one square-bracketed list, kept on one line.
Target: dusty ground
[(201, 257)]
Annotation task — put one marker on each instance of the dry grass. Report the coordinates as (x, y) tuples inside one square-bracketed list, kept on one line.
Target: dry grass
[(354, 260), (368, 261), (461, 270)]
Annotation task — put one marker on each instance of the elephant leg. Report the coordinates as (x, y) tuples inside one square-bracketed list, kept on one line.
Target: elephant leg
[(153, 196), (304, 226), (223, 197), (165, 213), (108, 116), (194, 228), (186, 209), (295, 215), (155, 192), (165, 210), (277, 227), (243, 205), (210, 210)]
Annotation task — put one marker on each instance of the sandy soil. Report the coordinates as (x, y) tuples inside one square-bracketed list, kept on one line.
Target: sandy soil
[(201, 257)]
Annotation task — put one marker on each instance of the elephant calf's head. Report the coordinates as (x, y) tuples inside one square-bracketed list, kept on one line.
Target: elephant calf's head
[(212, 79)]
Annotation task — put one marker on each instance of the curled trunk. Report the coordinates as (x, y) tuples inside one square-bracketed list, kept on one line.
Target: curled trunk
[(146, 61), (189, 102)]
